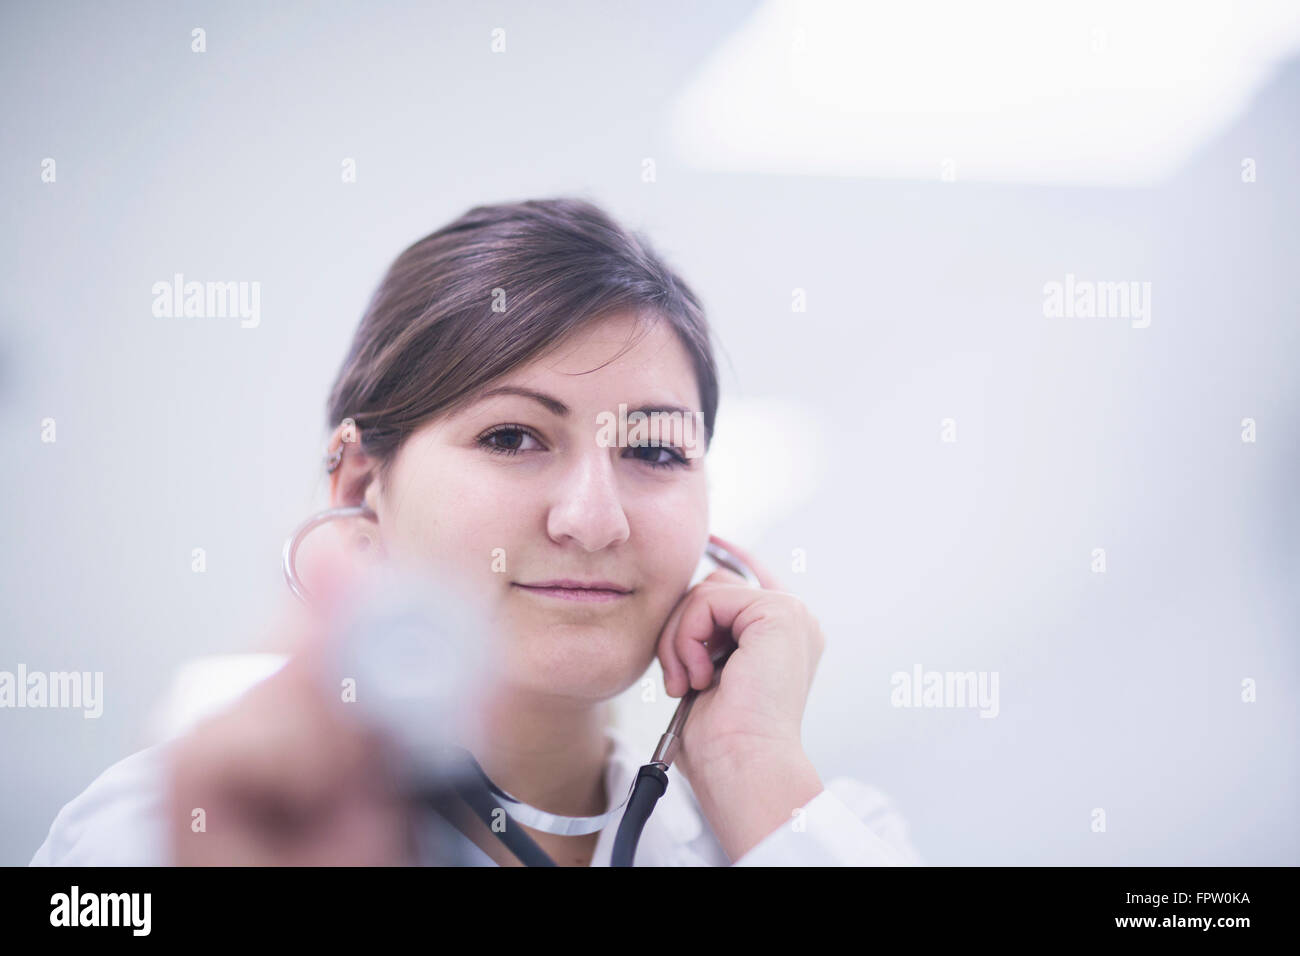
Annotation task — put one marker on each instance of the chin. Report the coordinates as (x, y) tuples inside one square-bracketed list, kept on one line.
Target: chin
[(577, 669)]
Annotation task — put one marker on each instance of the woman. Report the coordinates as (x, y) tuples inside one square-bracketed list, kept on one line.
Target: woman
[(466, 416)]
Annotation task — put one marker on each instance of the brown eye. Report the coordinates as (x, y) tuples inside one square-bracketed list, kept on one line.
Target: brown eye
[(507, 440), (660, 457)]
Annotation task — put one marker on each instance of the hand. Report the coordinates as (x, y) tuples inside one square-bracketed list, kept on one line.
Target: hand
[(757, 705), (741, 747), (286, 776)]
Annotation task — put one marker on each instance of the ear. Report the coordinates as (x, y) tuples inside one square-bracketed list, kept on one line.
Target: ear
[(349, 480)]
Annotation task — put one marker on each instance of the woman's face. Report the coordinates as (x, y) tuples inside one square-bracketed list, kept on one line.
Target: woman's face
[(518, 490)]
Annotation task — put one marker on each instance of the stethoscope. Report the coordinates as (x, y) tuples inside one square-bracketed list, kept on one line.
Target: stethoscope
[(485, 799)]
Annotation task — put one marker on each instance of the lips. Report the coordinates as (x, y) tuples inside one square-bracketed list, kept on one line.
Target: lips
[(571, 584), (568, 589)]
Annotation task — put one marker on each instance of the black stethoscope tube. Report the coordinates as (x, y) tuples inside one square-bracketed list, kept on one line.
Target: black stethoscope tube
[(475, 796), (651, 782)]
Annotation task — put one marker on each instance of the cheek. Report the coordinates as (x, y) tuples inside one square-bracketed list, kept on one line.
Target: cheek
[(455, 522), (673, 539), (673, 530)]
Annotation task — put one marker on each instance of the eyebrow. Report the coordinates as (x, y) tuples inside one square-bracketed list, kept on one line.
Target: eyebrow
[(557, 407)]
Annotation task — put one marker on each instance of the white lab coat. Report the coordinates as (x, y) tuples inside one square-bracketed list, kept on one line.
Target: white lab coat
[(118, 821)]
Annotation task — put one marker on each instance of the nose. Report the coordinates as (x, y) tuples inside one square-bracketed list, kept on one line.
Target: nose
[(587, 506)]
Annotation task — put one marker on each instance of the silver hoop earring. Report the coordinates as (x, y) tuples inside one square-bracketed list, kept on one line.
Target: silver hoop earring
[(294, 540)]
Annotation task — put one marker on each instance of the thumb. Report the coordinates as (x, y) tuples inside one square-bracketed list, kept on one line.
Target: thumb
[(335, 583)]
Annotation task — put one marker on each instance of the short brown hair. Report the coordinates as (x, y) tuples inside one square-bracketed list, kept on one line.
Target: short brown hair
[(434, 333)]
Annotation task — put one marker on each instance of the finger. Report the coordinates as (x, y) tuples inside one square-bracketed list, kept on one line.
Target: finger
[(766, 578), (677, 679), (336, 585), (692, 653), (709, 610), (725, 576)]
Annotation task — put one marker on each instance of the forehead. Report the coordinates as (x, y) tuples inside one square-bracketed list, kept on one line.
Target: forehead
[(614, 355)]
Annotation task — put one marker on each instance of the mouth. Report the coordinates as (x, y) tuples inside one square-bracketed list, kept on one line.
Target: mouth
[(592, 592)]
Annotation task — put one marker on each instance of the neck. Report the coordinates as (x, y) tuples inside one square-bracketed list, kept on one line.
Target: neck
[(547, 751)]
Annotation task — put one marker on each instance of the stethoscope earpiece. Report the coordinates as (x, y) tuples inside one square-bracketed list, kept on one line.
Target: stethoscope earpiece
[(724, 558)]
